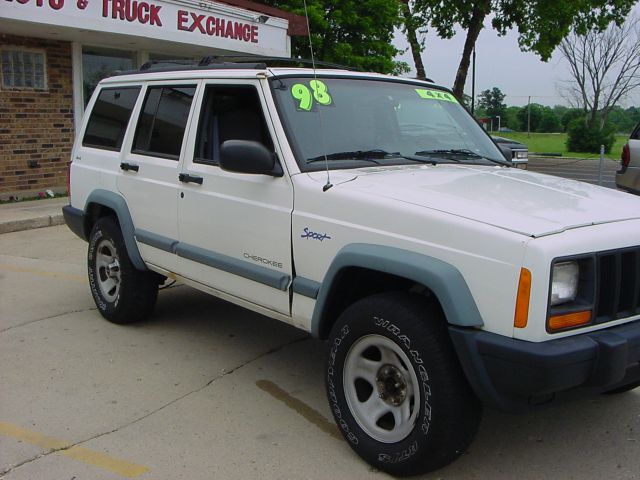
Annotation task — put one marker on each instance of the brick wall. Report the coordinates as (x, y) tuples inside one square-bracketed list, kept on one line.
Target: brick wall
[(37, 125)]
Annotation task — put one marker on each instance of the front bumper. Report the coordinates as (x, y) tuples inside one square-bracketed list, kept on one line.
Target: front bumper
[(513, 375)]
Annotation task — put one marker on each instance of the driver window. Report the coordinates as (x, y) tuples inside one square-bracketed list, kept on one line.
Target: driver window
[(229, 113)]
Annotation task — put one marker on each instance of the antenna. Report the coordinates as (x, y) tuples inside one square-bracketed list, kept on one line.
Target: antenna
[(327, 185)]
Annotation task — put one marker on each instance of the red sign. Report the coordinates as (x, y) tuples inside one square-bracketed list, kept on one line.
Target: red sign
[(146, 12), (216, 27)]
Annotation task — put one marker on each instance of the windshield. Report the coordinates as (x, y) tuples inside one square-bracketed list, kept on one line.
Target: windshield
[(359, 122)]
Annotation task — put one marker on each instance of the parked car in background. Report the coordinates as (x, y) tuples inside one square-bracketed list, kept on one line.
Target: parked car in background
[(628, 177), (519, 151)]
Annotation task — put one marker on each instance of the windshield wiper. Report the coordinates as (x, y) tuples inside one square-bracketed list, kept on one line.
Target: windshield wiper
[(452, 153), (369, 155)]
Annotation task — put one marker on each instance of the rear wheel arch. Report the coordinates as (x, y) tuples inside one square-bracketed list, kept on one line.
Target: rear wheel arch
[(359, 270), (102, 203)]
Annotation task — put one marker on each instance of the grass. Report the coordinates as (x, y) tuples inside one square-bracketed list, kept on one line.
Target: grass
[(556, 143), (32, 198)]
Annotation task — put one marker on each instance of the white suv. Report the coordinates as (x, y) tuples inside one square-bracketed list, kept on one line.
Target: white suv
[(375, 213)]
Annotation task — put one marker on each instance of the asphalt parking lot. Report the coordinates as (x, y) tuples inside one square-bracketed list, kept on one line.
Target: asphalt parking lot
[(206, 390), (584, 170)]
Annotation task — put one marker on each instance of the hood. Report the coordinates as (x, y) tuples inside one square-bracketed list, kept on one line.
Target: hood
[(528, 203)]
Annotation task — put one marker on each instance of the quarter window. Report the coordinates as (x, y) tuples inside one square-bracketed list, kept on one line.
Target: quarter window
[(109, 118), (23, 69), (163, 120)]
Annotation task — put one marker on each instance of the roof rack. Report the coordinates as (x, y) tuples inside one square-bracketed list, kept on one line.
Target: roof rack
[(274, 60), (218, 62)]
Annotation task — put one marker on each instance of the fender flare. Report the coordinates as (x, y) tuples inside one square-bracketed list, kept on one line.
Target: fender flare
[(445, 280), (119, 205)]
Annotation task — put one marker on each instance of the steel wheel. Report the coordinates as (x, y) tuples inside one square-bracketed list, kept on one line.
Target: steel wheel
[(108, 267), (381, 388)]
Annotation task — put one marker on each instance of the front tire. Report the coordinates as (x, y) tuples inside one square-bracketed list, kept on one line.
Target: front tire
[(395, 387), (122, 293)]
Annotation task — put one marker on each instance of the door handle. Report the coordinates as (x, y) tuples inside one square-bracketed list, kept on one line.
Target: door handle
[(129, 166), (187, 178)]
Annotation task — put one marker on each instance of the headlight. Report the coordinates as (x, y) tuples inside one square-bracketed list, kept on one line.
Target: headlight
[(564, 283), (520, 154)]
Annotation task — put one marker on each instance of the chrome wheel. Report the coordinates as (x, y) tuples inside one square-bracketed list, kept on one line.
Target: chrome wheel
[(381, 388), (108, 269)]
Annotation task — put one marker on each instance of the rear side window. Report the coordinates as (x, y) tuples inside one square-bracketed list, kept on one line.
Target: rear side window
[(109, 118), (162, 122), (636, 133)]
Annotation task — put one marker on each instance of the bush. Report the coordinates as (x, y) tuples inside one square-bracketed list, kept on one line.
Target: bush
[(549, 122), (587, 138)]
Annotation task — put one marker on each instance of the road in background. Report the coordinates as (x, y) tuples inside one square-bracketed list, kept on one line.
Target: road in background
[(207, 390)]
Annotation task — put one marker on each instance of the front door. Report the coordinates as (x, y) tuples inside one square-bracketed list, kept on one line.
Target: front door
[(235, 229)]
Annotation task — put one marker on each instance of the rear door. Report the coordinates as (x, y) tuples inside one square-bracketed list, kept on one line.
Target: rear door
[(98, 154), (235, 229), (150, 166)]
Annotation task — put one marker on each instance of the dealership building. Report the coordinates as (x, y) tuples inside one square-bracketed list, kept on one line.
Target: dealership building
[(54, 52)]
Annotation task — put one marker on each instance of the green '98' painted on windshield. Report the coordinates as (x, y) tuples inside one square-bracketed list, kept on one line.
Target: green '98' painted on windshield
[(305, 96)]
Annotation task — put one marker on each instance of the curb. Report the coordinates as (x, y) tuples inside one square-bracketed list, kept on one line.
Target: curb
[(31, 223)]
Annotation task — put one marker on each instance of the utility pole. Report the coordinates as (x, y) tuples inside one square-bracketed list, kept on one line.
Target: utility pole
[(529, 117), (473, 83)]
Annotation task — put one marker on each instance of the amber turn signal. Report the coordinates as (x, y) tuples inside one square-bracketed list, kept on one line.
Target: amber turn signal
[(522, 300), (569, 320)]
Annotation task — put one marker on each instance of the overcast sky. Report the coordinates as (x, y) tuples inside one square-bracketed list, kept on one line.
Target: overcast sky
[(499, 63)]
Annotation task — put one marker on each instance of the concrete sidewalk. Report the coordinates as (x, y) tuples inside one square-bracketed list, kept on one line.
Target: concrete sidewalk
[(31, 214)]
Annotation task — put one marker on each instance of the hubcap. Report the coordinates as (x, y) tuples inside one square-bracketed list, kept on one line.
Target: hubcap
[(381, 388), (392, 387), (108, 267)]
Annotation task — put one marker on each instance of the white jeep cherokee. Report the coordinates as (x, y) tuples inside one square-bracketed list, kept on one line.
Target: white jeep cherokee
[(375, 213)]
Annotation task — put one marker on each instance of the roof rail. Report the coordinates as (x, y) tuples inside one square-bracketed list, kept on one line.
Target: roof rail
[(216, 62), (271, 60), (186, 65)]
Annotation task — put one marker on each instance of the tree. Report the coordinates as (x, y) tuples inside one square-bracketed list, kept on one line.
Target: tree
[(491, 102), (549, 122), (411, 25), (582, 137), (349, 32), (466, 100), (511, 119), (535, 117), (621, 120), (605, 67), (569, 116), (541, 24)]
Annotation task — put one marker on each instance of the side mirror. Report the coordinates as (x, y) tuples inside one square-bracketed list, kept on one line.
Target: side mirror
[(245, 156), (507, 152)]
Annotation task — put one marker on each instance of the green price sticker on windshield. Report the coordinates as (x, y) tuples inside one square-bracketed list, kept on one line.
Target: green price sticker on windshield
[(436, 95), (316, 91)]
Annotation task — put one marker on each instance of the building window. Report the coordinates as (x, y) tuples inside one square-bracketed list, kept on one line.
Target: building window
[(23, 69), (99, 63)]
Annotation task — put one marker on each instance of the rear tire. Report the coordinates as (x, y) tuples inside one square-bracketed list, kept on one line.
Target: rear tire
[(395, 387), (122, 293)]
